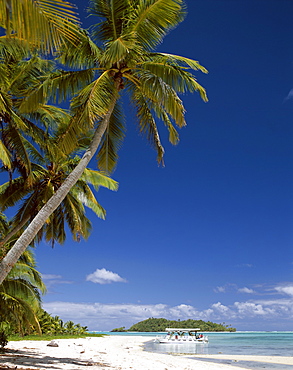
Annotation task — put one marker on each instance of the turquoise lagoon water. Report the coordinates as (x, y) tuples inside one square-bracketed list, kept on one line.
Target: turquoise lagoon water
[(237, 343)]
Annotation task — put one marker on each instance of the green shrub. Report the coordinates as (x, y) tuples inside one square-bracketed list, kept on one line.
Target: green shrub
[(5, 331)]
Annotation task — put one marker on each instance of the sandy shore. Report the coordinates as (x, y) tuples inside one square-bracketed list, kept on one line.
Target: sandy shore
[(113, 352)]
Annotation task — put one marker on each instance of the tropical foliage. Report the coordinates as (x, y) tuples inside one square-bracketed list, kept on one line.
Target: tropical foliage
[(46, 150), (20, 297), (40, 25), (36, 167), (120, 57), (160, 324), (29, 148), (54, 325)]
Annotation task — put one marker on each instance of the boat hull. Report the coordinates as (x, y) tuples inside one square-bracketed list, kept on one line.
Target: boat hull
[(181, 341)]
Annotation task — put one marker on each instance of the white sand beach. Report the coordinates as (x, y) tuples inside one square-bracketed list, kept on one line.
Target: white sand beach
[(107, 353)]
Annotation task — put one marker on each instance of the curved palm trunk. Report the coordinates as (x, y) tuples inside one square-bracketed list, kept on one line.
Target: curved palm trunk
[(28, 235)]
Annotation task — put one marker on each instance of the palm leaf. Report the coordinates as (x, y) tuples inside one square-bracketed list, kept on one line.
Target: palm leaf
[(54, 229), (175, 76), (147, 124), (161, 94), (111, 142), (50, 117), (90, 105), (113, 13), (97, 179), (179, 60), (12, 47), (15, 142), (84, 55), (75, 217), (53, 22), (5, 155), (87, 198), (151, 20), (58, 86), (11, 192), (118, 50)]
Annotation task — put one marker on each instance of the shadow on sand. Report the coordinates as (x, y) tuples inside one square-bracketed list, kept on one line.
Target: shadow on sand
[(14, 359)]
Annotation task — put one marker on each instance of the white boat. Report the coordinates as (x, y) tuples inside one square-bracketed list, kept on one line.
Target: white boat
[(182, 336)]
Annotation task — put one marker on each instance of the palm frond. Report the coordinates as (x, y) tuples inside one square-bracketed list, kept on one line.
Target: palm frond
[(5, 155), (48, 116), (178, 60), (84, 55), (28, 74), (173, 134), (147, 124), (12, 48), (54, 229), (78, 223), (112, 16), (111, 141), (97, 179), (53, 22), (57, 86), (27, 210), (180, 79), (5, 104), (11, 192), (87, 198), (15, 142), (118, 50), (161, 94), (33, 153), (89, 106), (151, 20)]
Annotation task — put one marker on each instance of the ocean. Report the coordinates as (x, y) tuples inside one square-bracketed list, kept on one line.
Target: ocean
[(236, 343)]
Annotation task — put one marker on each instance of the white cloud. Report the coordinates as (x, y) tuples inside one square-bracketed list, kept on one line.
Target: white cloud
[(99, 316), (220, 308), (231, 288), (274, 312), (285, 289), (251, 309), (246, 265), (52, 280), (103, 276), (51, 277), (246, 290), (220, 289), (290, 95)]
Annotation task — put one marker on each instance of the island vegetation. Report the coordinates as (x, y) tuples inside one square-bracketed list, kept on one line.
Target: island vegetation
[(160, 324)]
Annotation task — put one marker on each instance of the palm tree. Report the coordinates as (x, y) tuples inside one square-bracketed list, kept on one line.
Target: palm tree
[(20, 297), (128, 31), (47, 176), (40, 24), (21, 138), (55, 325), (20, 73)]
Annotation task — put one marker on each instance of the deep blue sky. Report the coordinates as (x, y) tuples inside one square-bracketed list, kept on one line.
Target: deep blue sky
[(209, 236)]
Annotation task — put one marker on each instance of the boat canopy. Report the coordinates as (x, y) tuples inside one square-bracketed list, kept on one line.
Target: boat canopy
[(182, 330)]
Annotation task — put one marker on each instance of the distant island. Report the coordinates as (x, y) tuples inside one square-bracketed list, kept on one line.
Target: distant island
[(154, 325)]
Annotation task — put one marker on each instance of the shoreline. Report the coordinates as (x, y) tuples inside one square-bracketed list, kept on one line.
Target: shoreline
[(114, 353)]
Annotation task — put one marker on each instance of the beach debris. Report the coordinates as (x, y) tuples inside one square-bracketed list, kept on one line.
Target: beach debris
[(90, 363), (53, 344), (6, 367)]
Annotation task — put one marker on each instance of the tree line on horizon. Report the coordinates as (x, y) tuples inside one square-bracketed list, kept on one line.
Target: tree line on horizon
[(46, 60), (160, 324)]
